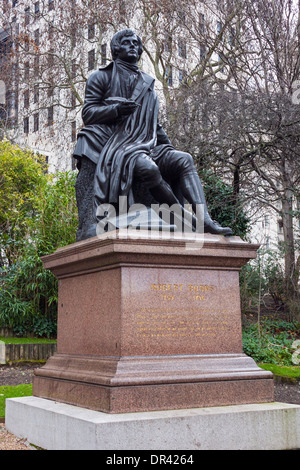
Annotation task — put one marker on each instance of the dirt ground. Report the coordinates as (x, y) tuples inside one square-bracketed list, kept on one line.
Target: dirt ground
[(16, 374), (23, 373)]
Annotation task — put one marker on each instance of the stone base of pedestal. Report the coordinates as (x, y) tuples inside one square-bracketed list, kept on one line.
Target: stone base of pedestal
[(57, 426), (148, 383), (151, 324)]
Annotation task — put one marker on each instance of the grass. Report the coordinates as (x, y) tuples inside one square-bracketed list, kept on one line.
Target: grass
[(17, 340), (15, 391), (291, 372)]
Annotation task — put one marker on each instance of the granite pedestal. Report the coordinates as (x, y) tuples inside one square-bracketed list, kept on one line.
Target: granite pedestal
[(151, 324)]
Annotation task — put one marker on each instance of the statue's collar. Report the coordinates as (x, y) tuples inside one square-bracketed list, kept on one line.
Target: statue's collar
[(122, 64), (126, 66), (144, 79)]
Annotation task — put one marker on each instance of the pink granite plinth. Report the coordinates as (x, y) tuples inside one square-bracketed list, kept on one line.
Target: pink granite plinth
[(151, 324)]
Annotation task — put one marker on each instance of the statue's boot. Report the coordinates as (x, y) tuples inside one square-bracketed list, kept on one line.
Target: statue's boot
[(193, 192)]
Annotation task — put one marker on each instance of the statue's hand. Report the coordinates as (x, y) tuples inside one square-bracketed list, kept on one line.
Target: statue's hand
[(127, 107)]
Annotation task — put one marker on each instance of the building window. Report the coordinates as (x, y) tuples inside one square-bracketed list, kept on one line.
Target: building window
[(267, 220), (26, 125), (202, 23), (103, 54), (73, 35), (168, 42), (202, 52), (231, 37), (37, 8), (36, 94), (2, 97), (11, 104), (219, 27), (36, 65), (26, 99), (182, 48), (73, 131), (50, 91), (26, 43), (51, 30), (91, 31), (181, 15), (26, 72), (169, 75), (73, 99), (50, 116), (73, 68), (122, 10), (50, 59), (37, 37), (27, 16), (221, 62), (91, 59), (181, 75), (36, 119)]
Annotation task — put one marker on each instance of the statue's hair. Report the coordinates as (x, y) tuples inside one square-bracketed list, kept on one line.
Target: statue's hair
[(117, 38)]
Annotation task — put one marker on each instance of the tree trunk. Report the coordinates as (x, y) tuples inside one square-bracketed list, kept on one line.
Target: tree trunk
[(289, 245)]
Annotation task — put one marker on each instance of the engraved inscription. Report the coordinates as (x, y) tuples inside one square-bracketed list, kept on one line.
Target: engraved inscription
[(151, 324), (168, 292), (182, 313)]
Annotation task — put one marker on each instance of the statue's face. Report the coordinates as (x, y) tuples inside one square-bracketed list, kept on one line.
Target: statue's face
[(129, 49)]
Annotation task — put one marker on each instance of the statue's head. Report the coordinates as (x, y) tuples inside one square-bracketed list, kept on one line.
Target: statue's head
[(126, 39)]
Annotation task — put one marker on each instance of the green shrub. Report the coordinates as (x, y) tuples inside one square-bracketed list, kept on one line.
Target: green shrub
[(224, 206), (43, 217), (271, 341), (28, 297)]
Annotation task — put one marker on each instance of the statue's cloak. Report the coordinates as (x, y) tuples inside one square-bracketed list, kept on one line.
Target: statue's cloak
[(113, 143)]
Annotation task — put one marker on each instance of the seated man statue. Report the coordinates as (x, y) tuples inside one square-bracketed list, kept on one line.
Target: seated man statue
[(122, 142)]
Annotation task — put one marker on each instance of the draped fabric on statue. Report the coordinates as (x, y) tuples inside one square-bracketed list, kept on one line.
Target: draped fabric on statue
[(134, 135), (115, 143)]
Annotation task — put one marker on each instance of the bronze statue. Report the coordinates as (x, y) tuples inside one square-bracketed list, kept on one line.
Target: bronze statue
[(123, 143)]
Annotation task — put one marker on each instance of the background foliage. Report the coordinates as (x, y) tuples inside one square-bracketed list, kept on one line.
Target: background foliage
[(270, 341), (38, 215), (224, 206)]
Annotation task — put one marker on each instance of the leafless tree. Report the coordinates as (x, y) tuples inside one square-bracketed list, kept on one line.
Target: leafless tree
[(245, 123)]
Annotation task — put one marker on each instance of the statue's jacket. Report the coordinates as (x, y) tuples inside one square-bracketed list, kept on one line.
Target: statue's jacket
[(113, 143)]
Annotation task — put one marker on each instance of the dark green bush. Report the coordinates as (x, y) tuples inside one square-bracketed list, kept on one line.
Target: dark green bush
[(28, 292), (224, 206), (271, 341)]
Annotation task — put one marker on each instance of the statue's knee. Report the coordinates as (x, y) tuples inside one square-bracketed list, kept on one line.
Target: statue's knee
[(182, 161), (148, 173), (153, 176), (187, 161)]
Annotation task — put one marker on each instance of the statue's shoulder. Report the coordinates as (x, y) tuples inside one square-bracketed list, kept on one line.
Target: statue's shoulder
[(106, 67), (101, 74), (147, 78)]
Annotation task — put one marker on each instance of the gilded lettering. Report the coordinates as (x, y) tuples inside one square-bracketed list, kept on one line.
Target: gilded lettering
[(167, 287)]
